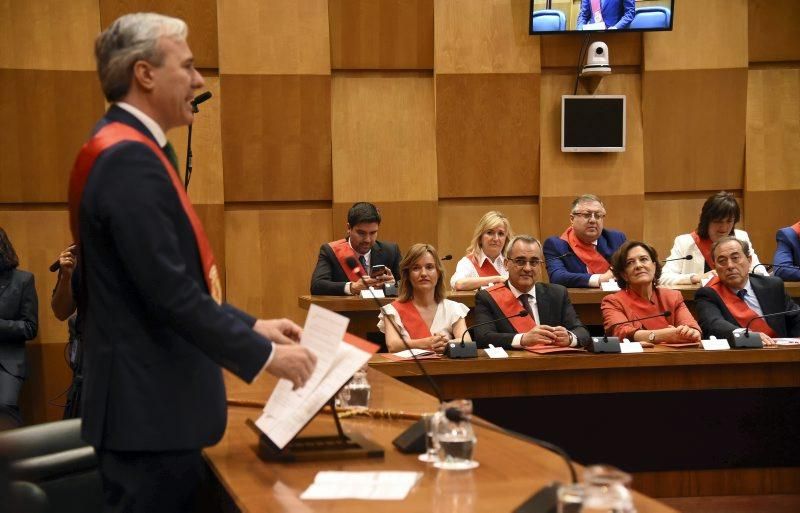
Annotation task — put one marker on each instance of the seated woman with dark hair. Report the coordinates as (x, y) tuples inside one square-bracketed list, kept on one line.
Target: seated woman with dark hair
[(426, 319), (718, 217), (637, 271)]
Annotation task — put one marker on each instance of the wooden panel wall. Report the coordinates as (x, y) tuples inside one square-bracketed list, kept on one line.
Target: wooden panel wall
[(435, 110)]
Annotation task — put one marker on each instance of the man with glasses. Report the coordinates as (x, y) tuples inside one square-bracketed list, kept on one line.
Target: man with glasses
[(579, 258), (550, 318), (733, 298)]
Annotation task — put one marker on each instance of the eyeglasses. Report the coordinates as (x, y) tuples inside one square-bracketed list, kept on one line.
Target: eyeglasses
[(520, 262), (589, 215)]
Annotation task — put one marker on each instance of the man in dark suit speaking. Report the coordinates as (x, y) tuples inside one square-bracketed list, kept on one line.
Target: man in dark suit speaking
[(551, 319), (333, 276), (609, 14), (156, 331), (733, 298)]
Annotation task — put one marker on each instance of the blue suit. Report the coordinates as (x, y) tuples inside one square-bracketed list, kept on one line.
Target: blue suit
[(787, 253), (570, 271), (616, 13)]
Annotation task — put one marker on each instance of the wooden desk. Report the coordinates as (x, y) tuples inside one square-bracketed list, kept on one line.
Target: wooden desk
[(363, 313), (509, 473)]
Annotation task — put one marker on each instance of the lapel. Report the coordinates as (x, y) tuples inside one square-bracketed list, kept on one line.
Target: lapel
[(764, 296), (602, 245), (543, 304), (5, 281), (377, 254)]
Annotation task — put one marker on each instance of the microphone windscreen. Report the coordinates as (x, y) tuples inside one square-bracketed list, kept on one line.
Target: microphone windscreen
[(351, 262), (454, 415), (667, 313), (447, 257), (200, 98), (689, 257), (523, 313)]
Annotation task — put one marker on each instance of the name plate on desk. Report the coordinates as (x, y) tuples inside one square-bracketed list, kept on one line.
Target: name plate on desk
[(366, 294), (715, 344), (630, 347), (495, 352), (609, 286)]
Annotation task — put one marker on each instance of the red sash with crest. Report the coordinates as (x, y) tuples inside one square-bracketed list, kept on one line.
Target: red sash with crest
[(412, 320), (510, 305), (704, 245), (485, 270), (587, 253), (341, 248), (739, 309), (111, 135)]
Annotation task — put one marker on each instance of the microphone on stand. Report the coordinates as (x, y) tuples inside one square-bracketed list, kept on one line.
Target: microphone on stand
[(752, 339), (469, 349), (446, 257), (200, 98), (687, 257), (606, 344), (769, 267)]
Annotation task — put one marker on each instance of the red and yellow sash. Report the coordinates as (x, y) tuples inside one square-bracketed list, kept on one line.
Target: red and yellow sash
[(587, 253), (485, 270), (412, 320), (111, 135), (739, 309), (796, 228), (704, 245), (341, 248), (510, 305), (638, 307)]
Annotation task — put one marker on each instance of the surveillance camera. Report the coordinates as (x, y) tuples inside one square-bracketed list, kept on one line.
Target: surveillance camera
[(596, 60)]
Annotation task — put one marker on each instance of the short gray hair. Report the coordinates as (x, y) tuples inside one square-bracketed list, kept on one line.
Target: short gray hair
[(585, 198), (521, 238), (131, 38), (722, 240)]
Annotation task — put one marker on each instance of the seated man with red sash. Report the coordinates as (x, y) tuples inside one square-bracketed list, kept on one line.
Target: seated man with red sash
[(733, 298), (334, 277), (788, 253), (637, 270), (551, 319), (579, 258), (425, 319)]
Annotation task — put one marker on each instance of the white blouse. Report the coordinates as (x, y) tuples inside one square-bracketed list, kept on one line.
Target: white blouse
[(447, 315), (466, 269)]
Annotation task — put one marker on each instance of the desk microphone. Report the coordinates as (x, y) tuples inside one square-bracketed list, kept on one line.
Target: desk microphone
[(752, 339), (769, 267), (687, 257), (446, 257), (455, 350), (606, 344), (200, 98)]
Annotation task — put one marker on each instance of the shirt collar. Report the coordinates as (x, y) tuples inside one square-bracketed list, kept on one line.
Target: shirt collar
[(147, 121), (482, 258), (748, 286), (517, 293)]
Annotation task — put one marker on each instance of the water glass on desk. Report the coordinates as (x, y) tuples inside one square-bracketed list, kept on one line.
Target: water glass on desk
[(355, 394), (431, 453), (570, 498), (607, 490), (456, 439)]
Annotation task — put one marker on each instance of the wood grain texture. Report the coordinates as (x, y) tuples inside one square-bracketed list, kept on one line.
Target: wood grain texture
[(487, 134), (694, 129), (206, 184), (48, 34), (457, 220), (274, 38), (390, 34), (625, 212), (402, 222), (43, 393), (773, 130), (270, 255), (718, 27), (746, 483), (562, 51), (383, 137), (48, 115), (767, 212), (484, 36), (772, 27), (276, 137), (199, 15)]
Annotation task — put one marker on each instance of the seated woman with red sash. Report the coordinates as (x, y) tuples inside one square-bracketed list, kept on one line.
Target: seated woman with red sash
[(484, 264), (637, 271), (719, 215), (426, 319)]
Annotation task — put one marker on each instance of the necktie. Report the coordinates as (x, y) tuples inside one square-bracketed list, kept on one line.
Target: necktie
[(363, 262), (525, 299), (169, 151), (742, 293)]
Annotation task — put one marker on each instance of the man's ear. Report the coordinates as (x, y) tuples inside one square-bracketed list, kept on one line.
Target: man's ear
[(143, 75)]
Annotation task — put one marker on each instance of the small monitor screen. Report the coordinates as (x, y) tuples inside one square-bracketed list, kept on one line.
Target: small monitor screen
[(593, 123), (566, 16)]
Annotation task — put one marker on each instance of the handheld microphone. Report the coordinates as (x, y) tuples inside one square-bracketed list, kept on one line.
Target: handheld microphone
[(752, 339), (446, 257), (200, 98), (606, 344), (470, 349), (769, 267), (687, 257), (55, 266)]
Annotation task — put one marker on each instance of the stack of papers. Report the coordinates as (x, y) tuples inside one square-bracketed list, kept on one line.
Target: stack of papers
[(421, 354), (375, 486)]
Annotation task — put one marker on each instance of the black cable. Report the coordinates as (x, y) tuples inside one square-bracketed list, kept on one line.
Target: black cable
[(581, 56)]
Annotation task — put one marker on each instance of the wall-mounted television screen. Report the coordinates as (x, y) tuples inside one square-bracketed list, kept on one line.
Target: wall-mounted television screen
[(566, 16), (593, 123)]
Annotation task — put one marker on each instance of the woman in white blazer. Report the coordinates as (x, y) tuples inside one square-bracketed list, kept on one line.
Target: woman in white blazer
[(718, 217)]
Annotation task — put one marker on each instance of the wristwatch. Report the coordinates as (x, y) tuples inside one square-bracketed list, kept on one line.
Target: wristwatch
[(651, 337)]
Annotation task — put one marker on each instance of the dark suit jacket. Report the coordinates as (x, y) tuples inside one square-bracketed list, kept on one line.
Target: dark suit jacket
[(19, 319), (555, 309), (715, 318), (616, 13), (787, 253), (155, 339), (329, 278), (570, 271)]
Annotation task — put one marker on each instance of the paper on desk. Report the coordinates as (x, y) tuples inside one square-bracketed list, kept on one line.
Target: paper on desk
[(339, 356), (386, 486), (609, 286), (792, 342)]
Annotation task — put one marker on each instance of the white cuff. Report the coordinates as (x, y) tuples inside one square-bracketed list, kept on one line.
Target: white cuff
[(347, 289), (517, 342), (573, 340), (594, 280)]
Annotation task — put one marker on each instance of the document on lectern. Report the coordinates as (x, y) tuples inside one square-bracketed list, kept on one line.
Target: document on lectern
[(339, 356)]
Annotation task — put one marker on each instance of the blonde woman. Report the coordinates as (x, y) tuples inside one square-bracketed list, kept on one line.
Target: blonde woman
[(483, 264)]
